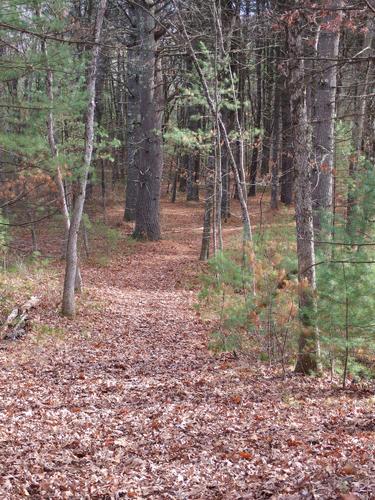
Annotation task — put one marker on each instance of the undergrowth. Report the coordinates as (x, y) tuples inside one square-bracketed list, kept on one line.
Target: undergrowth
[(253, 302)]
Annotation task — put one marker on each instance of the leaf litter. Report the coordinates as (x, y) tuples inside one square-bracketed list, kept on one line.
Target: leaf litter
[(129, 402)]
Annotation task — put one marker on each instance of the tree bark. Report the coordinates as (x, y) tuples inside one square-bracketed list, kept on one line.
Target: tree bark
[(147, 224), (275, 147), (192, 187), (308, 348), (268, 84), (68, 302), (133, 117), (55, 153), (287, 173), (324, 114), (225, 178), (359, 119), (193, 158), (208, 209), (238, 168), (258, 117)]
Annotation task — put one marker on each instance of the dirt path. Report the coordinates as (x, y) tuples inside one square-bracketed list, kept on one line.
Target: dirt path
[(129, 403)]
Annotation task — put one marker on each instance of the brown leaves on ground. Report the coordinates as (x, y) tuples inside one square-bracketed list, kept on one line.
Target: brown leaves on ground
[(128, 402)]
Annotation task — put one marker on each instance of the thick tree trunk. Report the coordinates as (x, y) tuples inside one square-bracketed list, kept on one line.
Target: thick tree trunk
[(147, 224), (68, 303), (324, 113), (309, 351)]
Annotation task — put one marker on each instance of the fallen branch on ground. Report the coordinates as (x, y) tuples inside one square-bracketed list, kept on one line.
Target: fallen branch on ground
[(16, 323)]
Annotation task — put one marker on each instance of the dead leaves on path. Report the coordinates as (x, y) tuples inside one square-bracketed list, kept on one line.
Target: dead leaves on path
[(132, 405)]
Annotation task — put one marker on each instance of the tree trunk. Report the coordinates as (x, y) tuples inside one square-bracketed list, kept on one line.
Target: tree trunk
[(308, 349), (68, 303), (324, 114), (287, 173), (259, 108), (55, 153), (192, 188), (175, 180), (208, 208), (147, 224), (133, 118), (225, 174), (359, 117), (275, 147), (268, 81), (193, 158), (238, 167)]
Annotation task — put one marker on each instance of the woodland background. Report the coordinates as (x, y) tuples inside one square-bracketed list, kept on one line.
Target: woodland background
[(187, 212)]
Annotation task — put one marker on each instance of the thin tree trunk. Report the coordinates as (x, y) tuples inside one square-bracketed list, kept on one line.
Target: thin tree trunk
[(104, 191), (268, 80), (238, 168), (55, 153), (34, 238), (208, 208), (225, 174), (193, 158), (52, 142), (359, 119), (175, 180), (68, 303), (287, 173), (192, 188), (258, 117), (275, 148), (133, 119)]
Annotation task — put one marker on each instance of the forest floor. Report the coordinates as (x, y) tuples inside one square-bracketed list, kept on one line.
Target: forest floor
[(128, 402)]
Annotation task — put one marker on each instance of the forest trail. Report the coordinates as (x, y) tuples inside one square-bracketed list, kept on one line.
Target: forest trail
[(129, 403)]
